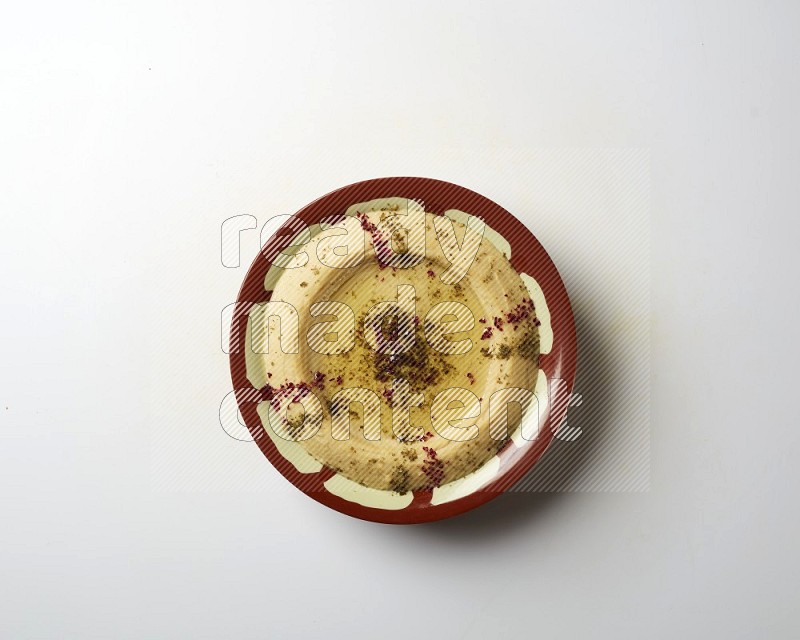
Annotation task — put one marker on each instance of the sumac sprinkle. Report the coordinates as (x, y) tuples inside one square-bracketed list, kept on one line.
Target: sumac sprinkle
[(433, 468), (383, 251)]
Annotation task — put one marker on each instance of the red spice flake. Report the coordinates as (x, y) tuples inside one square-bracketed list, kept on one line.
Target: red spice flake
[(523, 310), (498, 323), (274, 394), (482, 320), (433, 468), (471, 378), (487, 333), (428, 435), (537, 322), (269, 375), (383, 250), (339, 380), (366, 225), (417, 321), (431, 274)]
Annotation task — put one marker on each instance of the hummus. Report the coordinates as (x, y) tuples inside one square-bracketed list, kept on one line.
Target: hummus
[(400, 348)]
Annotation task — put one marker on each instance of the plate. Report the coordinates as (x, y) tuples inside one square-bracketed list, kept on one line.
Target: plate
[(557, 360)]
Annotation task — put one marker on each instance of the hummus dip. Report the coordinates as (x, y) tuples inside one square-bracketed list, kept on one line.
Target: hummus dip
[(399, 347)]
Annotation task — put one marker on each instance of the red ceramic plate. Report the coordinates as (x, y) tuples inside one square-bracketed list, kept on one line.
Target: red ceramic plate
[(557, 361)]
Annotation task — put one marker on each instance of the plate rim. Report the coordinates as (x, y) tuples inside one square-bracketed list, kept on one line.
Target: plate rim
[(562, 358)]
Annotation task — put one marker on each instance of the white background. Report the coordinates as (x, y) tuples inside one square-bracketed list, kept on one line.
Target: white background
[(129, 132)]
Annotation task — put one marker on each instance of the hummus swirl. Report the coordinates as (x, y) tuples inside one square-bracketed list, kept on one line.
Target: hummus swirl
[(407, 341)]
